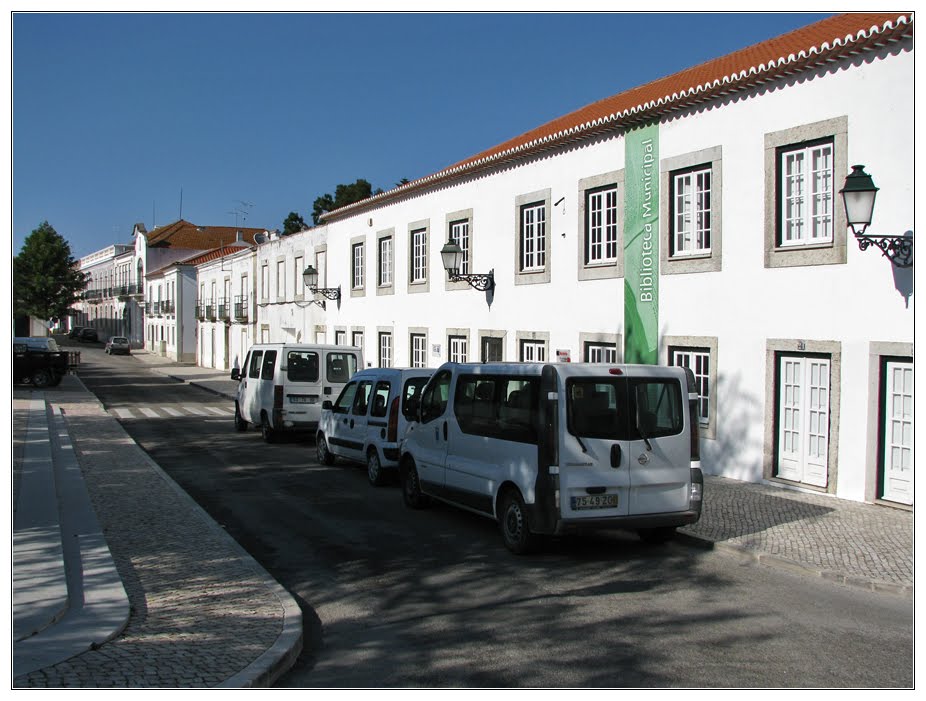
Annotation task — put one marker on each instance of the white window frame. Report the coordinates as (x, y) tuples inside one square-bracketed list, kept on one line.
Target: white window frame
[(418, 343), (600, 352), (459, 234), (385, 349), (691, 212), (533, 237), (806, 177), (265, 282), (532, 351), (356, 339), (698, 360), (602, 229), (419, 256), (457, 349), (385, 261), (356, 271), (281, 280)]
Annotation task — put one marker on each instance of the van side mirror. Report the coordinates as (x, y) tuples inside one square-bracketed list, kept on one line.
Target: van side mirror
[(413, 406), (236, 374), (326, 405)]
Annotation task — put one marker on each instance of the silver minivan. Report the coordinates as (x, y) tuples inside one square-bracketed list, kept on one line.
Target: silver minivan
[(366, 422), (281, 386), (548, 448)]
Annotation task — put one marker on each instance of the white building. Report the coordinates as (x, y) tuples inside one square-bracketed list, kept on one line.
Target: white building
[(694, 220), (110, 283)]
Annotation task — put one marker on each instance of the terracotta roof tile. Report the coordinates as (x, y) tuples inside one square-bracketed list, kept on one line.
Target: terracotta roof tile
[(824, 41), (183, 234)]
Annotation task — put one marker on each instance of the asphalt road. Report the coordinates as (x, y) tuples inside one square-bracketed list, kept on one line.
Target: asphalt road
[(397, 598)]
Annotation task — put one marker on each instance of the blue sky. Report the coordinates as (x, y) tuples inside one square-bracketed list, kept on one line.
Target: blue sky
[(115, 114)]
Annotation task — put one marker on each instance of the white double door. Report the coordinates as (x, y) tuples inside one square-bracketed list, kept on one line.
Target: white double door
[(804, 419), (897, 459)]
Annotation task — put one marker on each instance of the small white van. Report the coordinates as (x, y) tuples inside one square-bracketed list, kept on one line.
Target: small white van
[(369, 417), (281, 386), (548, 448)]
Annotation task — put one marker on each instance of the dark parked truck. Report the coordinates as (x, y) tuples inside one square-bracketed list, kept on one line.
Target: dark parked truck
[(37, 367)]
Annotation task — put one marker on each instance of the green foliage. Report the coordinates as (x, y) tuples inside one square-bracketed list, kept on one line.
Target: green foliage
[(293, 224), (343, 196), (45, 280)]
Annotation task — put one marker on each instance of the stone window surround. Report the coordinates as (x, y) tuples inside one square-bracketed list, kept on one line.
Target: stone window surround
[(820, 254), (707, 262), (613, 339), (543, 336), (458, 333), (599, 271), (533, 277)]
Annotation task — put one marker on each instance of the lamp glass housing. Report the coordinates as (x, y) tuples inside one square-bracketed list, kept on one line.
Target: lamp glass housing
[(858, 196), (451, 256), (310, 278)]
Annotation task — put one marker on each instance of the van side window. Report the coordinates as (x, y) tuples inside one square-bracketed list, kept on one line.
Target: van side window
[(266, 370), (657, 407), (380, 397), (498, 406), (254, 369), (411, 396), (434, 399), (302, 366), (362, 398), (340, 367), (592, 408), (346, 399)]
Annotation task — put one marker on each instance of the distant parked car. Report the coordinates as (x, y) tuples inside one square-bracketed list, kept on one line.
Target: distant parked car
[(88, 335), (75, 332), (117, 344)]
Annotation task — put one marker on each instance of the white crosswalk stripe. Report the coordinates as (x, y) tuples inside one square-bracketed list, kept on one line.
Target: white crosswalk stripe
[(167, 412)]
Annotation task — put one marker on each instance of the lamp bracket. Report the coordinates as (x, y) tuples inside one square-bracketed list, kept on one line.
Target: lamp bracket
[(899, 249), (481, 282)]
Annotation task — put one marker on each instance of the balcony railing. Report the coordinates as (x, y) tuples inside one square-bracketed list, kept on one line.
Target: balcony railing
[(223, 311), (241, 307)]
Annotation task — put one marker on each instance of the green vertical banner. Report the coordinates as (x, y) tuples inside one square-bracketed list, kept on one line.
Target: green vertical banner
[(641, 246)]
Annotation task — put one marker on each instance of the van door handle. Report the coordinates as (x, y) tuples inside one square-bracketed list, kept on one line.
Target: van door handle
[(351, 423), (616, 455), (445, 430)]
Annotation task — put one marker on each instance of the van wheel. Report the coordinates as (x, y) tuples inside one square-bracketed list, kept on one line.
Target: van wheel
[(411, 487), (375, 472), (266, 430), (41, 378), (240, 423), (656, 536), (325, 456), (514, 525)]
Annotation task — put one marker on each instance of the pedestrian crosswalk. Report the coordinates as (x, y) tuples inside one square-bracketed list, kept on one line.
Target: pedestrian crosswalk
[(170, 412)]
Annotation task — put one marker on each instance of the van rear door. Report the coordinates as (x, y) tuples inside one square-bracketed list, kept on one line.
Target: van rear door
[(659, 456), (594, 469)]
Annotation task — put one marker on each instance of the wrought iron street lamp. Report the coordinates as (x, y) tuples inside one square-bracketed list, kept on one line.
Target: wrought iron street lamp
[(858, 196), (310, 278), (452, 257)]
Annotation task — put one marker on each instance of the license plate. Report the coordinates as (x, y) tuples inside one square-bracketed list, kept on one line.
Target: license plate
[(302, 399), (594, 501)]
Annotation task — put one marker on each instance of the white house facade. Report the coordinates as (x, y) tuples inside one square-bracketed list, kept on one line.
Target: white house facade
[(693, 221)]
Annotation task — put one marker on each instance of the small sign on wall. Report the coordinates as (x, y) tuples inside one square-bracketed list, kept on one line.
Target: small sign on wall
[(563, 356), (435, 350)]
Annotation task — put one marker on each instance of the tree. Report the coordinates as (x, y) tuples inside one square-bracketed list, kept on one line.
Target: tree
[(293, 224), (343, 196), (45, 280)]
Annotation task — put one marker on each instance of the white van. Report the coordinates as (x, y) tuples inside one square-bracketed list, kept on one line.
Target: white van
[(547, 448), (366, 421), (281, 386)]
